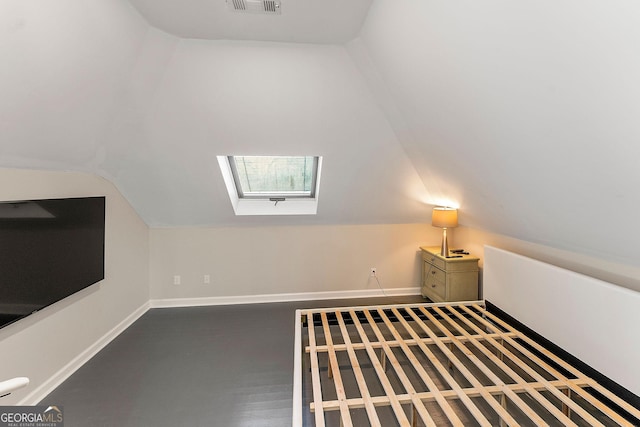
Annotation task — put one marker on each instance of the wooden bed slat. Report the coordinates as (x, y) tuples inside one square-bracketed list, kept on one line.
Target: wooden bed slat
[(400, 372), (513, 397), (455, 361), (426, 396), (380, 371), (467, 338), (409, 342), (315, 375), (549, 406), (355, 366), (580, 391), (424, 376), (444, 404), (345, 416), (548, 368)]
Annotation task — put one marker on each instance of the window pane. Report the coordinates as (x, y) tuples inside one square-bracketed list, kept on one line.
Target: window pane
[(275, 175)]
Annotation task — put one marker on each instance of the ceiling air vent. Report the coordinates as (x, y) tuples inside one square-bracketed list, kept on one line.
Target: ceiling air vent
[(265, 7)]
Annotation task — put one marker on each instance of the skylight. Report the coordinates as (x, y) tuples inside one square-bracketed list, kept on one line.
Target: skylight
[(274, 176), (272, 185)]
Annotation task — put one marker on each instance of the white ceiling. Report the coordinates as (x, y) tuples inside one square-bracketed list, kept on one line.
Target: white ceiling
[(300, 21), (529, 110), (524, 114)]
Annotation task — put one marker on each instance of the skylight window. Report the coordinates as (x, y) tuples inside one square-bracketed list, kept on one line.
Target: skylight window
[(272, 185), (274, 176)]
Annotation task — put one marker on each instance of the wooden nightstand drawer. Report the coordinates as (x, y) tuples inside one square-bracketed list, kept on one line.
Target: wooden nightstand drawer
[(435, 282), (433, 260)]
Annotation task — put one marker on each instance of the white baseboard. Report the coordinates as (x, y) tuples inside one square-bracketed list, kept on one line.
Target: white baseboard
[(258, 299), (54, 381)]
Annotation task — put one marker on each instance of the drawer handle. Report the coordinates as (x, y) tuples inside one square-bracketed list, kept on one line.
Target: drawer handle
[(432, 259), (433, 272), (433, 286)]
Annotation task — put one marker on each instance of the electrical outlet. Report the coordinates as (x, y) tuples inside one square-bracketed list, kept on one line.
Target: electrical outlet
[(176, 280), (206, 279), (374, 271)]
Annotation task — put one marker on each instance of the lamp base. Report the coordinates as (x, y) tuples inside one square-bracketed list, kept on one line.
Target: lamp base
[(444, 250)]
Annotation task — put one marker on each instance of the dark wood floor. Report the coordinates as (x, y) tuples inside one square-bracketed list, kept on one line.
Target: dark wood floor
[(204, 366)]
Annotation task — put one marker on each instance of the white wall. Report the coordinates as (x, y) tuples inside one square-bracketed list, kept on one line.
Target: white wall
[(65, 66), (571, 302), (224, 97), (41, 345), (245, 261), (618, 273), (92, 87), (524, 113)]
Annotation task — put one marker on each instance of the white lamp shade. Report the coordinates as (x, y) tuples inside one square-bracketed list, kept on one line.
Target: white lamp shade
[(444, 217)]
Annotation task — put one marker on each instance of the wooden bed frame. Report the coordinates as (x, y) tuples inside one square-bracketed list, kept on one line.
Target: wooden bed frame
[(440, 364)]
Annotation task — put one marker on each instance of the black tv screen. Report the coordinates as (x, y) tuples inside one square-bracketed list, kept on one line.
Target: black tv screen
[(49, 249)]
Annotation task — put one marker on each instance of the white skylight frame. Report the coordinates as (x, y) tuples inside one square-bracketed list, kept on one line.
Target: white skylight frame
[(253, 205)]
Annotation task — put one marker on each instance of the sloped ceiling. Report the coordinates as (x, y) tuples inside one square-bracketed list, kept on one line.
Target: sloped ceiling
[(300, 21), (64, 67), (524, 114), (223, 98), (101, 90), (529, 110)]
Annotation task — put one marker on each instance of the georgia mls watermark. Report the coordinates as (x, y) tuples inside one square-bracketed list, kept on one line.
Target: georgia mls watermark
[(31, 416)]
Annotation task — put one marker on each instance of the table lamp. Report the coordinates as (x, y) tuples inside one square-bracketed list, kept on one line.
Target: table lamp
[(444, 218)]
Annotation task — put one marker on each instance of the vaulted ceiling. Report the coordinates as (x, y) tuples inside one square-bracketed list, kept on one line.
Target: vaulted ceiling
[(523, 114), (299, 21)]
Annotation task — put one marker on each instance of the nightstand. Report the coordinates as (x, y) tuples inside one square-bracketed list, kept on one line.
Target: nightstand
[(448, 279)]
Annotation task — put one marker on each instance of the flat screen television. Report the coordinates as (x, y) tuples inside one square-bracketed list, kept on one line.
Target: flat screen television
[(49, 249)]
